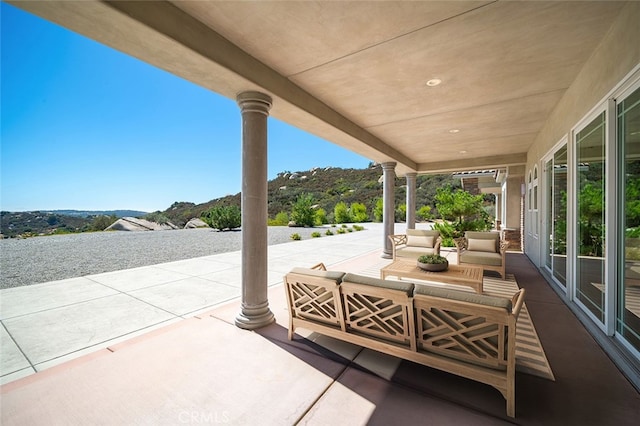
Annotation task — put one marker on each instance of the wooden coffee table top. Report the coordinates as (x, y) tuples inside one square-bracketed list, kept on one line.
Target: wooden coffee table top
[(470, 276)]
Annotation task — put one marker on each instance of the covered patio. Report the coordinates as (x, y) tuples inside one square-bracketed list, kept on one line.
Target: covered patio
[(520, 88), (200, 370)]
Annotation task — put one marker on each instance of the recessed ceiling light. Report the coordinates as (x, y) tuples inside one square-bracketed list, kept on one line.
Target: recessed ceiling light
[(463, 152), (454, 130), (434, 82)]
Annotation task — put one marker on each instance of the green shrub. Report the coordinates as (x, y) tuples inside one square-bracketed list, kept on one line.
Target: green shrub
[(303, 213), (328, 232), (358, 227), (157, 217), (102, 222), (341, 231), (400, 214), (223, 217), (315, 235), (424, 213), (343, 225), (341, 213), (349, 230), (320, 217), (296, 237), (358, 213), (378, 210), (282, 219)]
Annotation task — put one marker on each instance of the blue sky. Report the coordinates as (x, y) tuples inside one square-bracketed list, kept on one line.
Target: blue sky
[(86, 127)]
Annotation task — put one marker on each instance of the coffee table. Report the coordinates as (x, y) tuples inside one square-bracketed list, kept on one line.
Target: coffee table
[(470, 276)]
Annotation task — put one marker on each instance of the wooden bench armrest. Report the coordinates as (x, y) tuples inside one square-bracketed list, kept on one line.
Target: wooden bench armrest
[(320, 267), (503, 246), (516, 302)]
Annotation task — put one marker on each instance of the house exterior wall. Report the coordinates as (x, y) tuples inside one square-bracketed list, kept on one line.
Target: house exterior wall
[(612, 63)]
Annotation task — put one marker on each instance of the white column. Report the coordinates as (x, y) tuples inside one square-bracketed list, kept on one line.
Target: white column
[(255, 312), (411, 200), (388, 198)]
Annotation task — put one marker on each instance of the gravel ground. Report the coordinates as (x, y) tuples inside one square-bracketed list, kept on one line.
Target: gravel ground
[(41, 259)]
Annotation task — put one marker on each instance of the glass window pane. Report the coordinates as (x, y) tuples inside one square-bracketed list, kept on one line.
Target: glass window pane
[(628, 311), (560, 215), (590, 230)]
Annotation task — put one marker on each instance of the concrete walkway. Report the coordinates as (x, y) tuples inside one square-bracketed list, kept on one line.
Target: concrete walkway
[(44, 325)]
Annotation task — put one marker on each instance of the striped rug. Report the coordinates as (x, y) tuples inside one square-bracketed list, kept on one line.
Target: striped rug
[(530, 356)]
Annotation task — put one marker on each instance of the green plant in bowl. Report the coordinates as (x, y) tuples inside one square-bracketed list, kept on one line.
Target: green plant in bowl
[(433, 262)]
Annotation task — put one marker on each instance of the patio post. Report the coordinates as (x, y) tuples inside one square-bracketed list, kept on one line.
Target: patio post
[(255, 312), (388, 198), (411, 200)]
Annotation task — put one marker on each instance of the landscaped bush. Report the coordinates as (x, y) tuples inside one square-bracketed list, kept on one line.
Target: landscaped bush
[(341, 213), (223, 217), (341, 231), (295, 237), (328, 232), (320, 217), (315, 235), (358, 213), (303, 213), (424, 213), (358, 227), (378, 210), (282, 219)]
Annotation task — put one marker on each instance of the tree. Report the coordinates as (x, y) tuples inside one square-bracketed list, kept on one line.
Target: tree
[(302, 212), (341, 213), (463, 209), (223, 217)]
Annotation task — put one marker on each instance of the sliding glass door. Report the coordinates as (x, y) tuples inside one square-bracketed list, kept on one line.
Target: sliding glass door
[(628, 306), (590, 216), (555, 249)]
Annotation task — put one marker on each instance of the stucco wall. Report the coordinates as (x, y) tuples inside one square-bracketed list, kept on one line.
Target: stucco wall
[(613, 59)]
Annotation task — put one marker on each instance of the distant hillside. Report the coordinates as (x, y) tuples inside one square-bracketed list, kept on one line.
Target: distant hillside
[(328, 186), (87, 213), (13, 224)]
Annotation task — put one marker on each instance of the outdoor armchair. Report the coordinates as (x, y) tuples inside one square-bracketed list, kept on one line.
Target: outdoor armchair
[(415, 243), (485, 249)]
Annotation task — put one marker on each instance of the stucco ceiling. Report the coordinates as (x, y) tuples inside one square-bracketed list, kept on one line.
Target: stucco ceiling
[(355, 73)]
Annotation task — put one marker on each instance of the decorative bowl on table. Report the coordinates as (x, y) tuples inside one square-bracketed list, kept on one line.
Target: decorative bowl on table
[(433, 263)]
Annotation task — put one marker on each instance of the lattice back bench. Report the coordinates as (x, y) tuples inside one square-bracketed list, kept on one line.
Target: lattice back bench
[(467, 334)]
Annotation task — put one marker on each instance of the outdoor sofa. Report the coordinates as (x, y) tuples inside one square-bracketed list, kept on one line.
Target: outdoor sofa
[(415, 243), (484, 249), (466, 334)]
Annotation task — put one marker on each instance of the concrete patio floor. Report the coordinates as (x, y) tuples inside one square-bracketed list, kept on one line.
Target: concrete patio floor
[(158, 345), (46, 324)]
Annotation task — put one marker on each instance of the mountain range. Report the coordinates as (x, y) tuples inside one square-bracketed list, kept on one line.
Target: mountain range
[(328, 186)]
